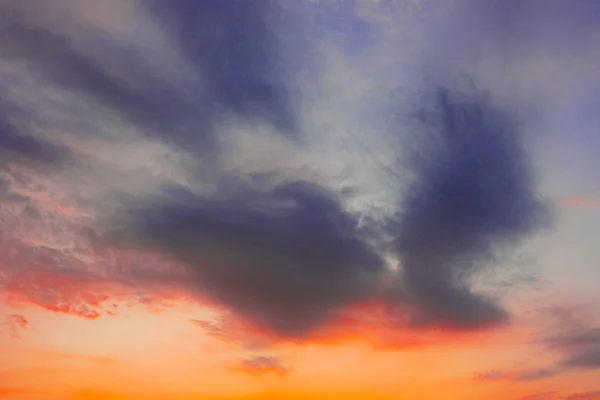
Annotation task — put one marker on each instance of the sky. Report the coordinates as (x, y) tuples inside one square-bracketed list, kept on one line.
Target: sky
[(294, 199)]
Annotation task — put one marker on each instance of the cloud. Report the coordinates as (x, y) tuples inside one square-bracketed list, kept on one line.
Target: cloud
[(581, 347), (15, 391), (287, 259), (587, 359), (522, 375), (219, 330), (263, 365), (573, 335), (19, 320), (472, 197), (229, 328), (21, 147), (212, 328), (592, 395), (236, 50), (14, 324), (200, 148), (536, 374), (493, 375), (73, 294), (226, 53), (568, 333), (541, 396)]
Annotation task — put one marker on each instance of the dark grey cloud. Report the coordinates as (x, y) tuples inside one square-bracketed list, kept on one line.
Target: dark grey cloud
[(492, 375), (212, 328), (18, 143), (580, 346), (287, 259), (569, 336), (472, 197), (14, 324), (232, 49), (238, 51)]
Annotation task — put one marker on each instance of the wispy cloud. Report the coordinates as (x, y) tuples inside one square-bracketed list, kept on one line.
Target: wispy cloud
[(580, 202), (592, 395), (16, 391), (262, 365), (541, 396), (314, 173)]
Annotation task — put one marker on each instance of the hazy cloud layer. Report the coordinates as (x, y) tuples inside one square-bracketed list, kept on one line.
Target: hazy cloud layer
[(522, 375), (13, 325), (286, 259), (570, 335), (581, 346)]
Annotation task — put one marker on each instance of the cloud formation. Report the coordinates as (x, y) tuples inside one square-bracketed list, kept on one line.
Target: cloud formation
[(581, 346), (203, 149), (472, 196), (580, 202)]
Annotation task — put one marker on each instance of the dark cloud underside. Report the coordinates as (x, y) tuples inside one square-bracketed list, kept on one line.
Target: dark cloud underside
[(472, 193), (287, 259)]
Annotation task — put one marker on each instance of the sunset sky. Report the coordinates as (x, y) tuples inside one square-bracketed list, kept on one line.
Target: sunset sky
[(294, 199)]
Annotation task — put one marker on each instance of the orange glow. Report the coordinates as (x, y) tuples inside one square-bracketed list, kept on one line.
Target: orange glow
[(141, 354), (183, 349)]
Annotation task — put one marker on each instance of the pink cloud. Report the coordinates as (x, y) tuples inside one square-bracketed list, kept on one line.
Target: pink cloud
[(579, 202)]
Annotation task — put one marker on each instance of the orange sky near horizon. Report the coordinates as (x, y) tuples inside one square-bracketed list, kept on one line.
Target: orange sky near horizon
[(141, 353)]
